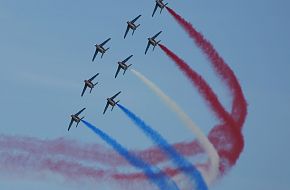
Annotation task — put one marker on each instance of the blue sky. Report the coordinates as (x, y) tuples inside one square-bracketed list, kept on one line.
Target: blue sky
[(46, 49)]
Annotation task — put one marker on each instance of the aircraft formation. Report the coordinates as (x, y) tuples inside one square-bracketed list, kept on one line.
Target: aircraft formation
[(100, 48)]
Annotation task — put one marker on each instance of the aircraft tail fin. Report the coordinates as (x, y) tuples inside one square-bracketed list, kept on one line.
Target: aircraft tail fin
[(91, 90), (107, 48), (133, 32), (79, 121), (126, 69), (117, 101), (102, 55), (96, 83), (137, 25), (163, 7), (112, 108)]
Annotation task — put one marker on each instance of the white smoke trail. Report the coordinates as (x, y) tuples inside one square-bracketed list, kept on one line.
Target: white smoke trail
[(201, 138)]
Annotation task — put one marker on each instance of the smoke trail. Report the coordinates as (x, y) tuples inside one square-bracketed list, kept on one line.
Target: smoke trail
[(22, 163), (204, 89), (62, 147), (19, 163), (239, 109), (201, 138), (237, 139), (153, 173), (181, 162), (88, 152)]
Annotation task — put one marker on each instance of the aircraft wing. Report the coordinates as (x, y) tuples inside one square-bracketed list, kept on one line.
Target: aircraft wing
[(118, 70), (154, 9), (84, 89), (147, 47), (105, 42), (156, 35), (106, 108), (115, 95), (94, 77), (127, 30), (96, 52), (134, 20), (71, 122), (127, 59), (80, 112)]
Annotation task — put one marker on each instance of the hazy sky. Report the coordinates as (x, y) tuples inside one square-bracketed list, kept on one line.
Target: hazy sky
[(46, 49)]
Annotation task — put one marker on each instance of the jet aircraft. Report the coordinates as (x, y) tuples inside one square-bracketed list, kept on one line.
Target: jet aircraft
[(111, 101), (132, 25), (100, 48), (90, 84), (160, 4), (153, 42), (123, 65), (76, 118)]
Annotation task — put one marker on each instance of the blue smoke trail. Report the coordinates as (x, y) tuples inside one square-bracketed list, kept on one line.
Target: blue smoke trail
[(179, 160), (153, 173)]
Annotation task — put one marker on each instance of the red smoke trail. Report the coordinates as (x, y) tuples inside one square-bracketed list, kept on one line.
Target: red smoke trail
[(88, 152), (239, 108), (202, 86), (236, 139), (20, 163)]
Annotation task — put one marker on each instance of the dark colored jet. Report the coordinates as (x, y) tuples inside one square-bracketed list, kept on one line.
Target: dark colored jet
[(153, 42), (75, 118), (110, 101), (90, 84), (131, 25), (101, 49), (123, 65), (160, 4)]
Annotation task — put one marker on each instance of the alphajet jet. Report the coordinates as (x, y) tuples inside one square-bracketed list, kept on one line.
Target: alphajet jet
[(76, 118), (100, 48), (123, 65), (90, 84), (153, 42), (111, 101), (132, 25), (160, 4)]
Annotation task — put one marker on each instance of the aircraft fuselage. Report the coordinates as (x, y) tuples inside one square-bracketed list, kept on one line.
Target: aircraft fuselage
[(89, 84), (152, 41), (111, 102), (160, 4), (100, 49), (75, 118), (122, 65), (131, 25)]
